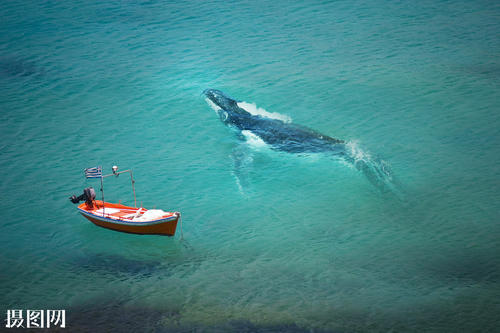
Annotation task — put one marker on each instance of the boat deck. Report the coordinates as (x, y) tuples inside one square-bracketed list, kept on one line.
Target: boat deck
[(120, 212)]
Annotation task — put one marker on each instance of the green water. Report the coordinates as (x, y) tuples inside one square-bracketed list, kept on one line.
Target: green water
[(308, 243)]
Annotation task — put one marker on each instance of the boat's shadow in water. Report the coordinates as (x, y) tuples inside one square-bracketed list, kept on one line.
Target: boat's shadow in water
[(171, 262)]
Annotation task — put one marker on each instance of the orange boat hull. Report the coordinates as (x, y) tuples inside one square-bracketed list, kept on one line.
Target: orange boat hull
[(164, 226)]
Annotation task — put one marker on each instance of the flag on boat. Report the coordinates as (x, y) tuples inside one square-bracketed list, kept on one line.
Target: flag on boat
[(95, 172)]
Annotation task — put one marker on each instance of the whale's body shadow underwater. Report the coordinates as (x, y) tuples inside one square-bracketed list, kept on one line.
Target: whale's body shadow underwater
[(280, 134)]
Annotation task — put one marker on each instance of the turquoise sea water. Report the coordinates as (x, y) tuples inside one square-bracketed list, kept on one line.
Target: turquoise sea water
[(306, 243)]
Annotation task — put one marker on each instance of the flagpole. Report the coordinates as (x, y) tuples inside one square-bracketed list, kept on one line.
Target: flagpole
[(96, 172)]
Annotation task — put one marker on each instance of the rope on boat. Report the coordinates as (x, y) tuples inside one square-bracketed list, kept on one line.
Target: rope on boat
[(180, 221)]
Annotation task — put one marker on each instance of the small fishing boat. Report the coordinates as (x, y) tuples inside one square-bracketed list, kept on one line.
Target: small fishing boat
[(123, 218)]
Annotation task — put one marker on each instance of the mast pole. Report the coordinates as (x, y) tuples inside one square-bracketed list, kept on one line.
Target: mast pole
[(116, 174), (102, 191), (133, 188)]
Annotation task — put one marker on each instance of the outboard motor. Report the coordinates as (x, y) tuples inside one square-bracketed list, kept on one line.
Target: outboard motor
[(88, 195)]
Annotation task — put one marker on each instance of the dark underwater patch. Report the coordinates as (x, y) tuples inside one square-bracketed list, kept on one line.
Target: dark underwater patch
[(115, 264), (467, 266), (11, 67), (245, 326), (114, 316), (103, 315)]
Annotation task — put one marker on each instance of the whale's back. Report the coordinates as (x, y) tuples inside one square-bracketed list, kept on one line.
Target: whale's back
[(291, 137)]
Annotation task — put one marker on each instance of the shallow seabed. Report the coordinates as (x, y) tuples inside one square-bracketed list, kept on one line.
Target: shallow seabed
[(305, 243)]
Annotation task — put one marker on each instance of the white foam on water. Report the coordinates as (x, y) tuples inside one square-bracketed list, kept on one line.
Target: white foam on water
[(253, 140), (253, 109), (238, 183), (378, 170), (214, 106), (356, 152)]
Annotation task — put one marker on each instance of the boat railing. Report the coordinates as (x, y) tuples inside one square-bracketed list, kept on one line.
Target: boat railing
[(116, 173), (96, 172)]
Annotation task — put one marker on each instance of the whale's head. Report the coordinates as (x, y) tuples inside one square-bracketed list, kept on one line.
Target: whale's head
[(226, 107), (219, 99)]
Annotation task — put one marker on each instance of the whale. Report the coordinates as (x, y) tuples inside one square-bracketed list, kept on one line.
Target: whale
[(277, 133), (282, 135)]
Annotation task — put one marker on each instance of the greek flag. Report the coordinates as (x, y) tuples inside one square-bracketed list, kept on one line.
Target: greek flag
[(95, 172)]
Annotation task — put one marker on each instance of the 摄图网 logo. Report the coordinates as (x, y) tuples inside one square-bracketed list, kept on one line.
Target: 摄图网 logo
[(35, 319)]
